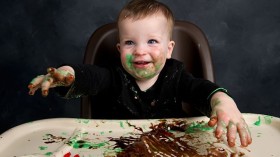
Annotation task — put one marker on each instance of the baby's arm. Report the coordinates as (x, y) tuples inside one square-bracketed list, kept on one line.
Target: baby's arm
[(63, 76), (228, 119)]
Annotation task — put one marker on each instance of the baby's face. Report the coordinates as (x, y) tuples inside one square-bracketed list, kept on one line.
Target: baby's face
[(144, 46)]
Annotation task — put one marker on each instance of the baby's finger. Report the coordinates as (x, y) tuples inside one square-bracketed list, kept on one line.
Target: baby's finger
[(249, 134), (33, 89), (36, 81), (220, 129), (69, 79), (213, 121), (51, 70), (244, 134), (222, 123), (31, 92), (55, 74), (58, 74), (231, 134), (46, 85), (35, 84)]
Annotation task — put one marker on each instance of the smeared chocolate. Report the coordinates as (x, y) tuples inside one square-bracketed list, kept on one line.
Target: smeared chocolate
[(53, 139), (161, 141)]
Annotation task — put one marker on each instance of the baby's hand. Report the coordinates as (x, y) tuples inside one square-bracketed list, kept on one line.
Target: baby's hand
[(63, 76), (229, 120)]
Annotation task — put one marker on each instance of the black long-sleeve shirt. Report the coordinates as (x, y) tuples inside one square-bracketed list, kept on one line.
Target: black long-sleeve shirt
[(115, 93)]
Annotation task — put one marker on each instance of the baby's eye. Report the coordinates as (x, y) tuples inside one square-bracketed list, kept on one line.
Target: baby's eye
[(129, 42), (152, 41)]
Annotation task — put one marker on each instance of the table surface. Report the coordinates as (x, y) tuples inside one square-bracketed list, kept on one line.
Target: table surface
[(67, 137)]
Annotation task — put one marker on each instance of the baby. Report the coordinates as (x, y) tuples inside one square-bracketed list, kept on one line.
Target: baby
[(147, 83)]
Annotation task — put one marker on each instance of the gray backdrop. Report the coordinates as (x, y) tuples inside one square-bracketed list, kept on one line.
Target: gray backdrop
[(243, 34)]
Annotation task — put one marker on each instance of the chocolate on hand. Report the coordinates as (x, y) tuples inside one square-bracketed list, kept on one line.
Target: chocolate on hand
[(54, 78)]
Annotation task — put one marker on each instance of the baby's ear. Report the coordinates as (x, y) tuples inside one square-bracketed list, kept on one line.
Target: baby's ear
[(171, 45), (118, 47)]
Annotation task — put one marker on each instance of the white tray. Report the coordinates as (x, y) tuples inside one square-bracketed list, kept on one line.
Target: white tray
[(51, 137)]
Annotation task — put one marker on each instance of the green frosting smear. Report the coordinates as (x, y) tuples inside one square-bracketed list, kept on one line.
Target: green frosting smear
[(258, 122), (268, 119), (43, 147), (201, 126), (129, 61), (48, 154), (84, 121), (121, 124), (85, 144)]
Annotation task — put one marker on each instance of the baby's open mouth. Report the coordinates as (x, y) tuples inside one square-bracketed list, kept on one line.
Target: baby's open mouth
[(141, 62)]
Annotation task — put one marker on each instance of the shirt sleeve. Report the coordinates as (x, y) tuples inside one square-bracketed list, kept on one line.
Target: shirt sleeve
[(89, 80), (198, 92)]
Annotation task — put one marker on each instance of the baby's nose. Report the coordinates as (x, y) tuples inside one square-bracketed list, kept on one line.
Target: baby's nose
[(140, 49)]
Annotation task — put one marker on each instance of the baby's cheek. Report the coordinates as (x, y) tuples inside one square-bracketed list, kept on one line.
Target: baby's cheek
[(160, 63), (127, 60), (158, 66)]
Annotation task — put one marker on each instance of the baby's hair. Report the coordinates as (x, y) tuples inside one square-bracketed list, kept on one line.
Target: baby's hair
[(138, 9)]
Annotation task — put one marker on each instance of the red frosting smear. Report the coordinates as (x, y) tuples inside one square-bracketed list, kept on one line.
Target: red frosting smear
[(67, 154)]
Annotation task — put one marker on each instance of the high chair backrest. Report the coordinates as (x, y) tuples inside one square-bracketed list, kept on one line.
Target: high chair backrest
[(191, 47)]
